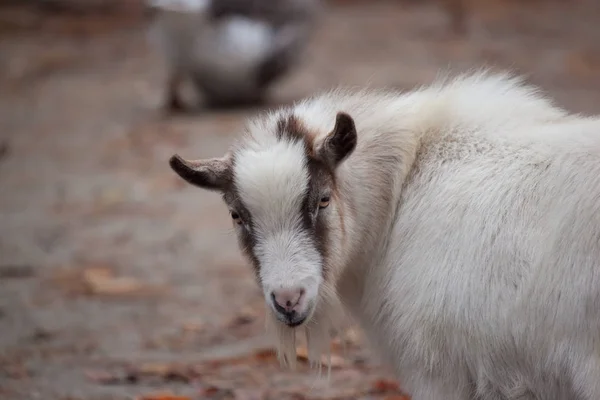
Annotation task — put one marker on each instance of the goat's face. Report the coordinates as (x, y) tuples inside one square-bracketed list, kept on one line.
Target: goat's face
[(280, 188)]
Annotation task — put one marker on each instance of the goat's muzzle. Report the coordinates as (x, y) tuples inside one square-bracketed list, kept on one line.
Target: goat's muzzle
[(290, 305)]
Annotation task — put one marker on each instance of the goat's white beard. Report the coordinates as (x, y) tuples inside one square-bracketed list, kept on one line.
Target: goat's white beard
[(319, 330)]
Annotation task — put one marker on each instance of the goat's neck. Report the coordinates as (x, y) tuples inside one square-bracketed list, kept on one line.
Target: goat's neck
[(370, 184)]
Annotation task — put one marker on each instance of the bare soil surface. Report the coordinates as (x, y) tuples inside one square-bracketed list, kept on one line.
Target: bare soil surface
[(116, 279)]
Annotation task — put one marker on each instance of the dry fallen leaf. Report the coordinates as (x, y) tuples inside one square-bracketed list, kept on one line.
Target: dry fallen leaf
[(193, 326), (153, 369), (384, 386), (265, 355), (397, 397), (162, 396), (244, 317), (101, 281), (217, 392), (168, 372), (97, 273), (111, 196)]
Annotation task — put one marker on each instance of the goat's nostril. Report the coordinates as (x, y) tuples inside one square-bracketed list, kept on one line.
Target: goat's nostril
[(284, 300)]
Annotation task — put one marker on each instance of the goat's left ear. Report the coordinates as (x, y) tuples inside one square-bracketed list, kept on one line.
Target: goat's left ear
[(340, 142), (211, 174)]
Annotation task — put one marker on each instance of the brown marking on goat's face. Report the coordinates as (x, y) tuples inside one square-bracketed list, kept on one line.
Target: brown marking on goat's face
[(321, 183), (246, 240), (291, 128)]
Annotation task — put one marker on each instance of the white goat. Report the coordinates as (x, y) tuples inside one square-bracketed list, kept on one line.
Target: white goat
[(232, 50), (458, 223)]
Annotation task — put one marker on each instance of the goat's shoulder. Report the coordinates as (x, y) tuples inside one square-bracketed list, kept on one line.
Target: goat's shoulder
[(482, 103)]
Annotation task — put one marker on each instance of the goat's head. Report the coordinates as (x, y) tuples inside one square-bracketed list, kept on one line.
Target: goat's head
[(280, 186)]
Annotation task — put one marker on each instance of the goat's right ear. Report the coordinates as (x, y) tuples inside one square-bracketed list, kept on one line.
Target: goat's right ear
[(211, 174), (340, 142)]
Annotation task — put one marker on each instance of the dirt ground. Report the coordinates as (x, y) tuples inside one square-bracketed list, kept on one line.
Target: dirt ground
[(116, 279)]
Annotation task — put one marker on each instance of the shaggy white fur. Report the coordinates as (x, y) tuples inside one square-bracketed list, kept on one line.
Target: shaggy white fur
[(472, 254)]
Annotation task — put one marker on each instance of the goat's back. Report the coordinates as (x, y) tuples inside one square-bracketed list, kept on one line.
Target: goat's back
[(495, 260)]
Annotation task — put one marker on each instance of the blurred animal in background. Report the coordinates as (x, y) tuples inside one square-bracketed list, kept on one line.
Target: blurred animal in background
[(232, 51)]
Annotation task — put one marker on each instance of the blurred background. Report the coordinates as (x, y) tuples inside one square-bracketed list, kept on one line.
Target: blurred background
[(119, 281)]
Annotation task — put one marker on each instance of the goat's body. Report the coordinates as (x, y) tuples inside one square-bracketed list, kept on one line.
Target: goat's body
[(459, 224), (474, 223)]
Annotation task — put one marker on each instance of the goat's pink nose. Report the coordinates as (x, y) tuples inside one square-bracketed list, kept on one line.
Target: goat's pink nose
[(286, 299)]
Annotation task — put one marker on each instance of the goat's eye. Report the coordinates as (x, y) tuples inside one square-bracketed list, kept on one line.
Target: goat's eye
[(236, 217), (324, 202)]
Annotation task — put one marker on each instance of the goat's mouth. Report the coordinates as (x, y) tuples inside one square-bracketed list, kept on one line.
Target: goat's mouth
[(294, 324), (293, 320)]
